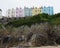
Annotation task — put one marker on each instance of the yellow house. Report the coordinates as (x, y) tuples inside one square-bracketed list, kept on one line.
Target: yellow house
[(36, 11)]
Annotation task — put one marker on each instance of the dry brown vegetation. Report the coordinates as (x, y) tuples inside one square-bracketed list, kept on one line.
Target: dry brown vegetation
[(42, 34)]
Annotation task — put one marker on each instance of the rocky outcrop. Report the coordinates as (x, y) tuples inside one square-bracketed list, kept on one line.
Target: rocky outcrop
[(37, 34)]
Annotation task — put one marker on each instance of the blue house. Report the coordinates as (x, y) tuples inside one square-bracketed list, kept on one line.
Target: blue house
[(51, 11), (48, 10), (30, 11), (27, 11)]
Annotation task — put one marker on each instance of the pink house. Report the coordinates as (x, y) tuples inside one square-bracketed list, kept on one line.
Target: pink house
[(19, 12)]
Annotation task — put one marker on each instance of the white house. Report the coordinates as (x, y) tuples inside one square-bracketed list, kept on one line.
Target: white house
[(11, 13)]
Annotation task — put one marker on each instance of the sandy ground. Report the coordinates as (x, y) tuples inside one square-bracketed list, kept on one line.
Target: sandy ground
[(41, 47), (47, 47)]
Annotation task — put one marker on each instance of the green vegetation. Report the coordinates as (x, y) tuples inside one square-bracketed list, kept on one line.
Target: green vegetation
[(53, 19), (0, 25)]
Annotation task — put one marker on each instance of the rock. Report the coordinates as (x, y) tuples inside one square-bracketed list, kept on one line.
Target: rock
[(38, 40), (28, 37)]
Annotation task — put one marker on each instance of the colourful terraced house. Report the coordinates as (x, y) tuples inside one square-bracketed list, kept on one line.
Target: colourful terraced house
[(27, 11), (11, 13), (48, 10), (36, 11), (19, 12)]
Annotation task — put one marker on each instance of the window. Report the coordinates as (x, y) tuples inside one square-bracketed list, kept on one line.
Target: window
[(8, 12), (12, 15), (12, 12), (17, 9), (20, 11), (35, 10), (40, 10), (16, 12)]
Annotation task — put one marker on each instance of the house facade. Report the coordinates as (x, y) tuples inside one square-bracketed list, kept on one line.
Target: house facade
[(48, 10), (28, 11), (51, 11), (19, 12), (36, 11), (11, 13)]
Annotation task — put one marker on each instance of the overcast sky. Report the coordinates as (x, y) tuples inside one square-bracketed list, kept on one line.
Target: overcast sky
[(8, 4)]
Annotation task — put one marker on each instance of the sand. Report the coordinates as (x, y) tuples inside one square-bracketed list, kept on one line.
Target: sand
[(47, 47), (42, 47)]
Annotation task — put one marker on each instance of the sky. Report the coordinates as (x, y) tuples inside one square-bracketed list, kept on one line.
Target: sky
[(8, 4)]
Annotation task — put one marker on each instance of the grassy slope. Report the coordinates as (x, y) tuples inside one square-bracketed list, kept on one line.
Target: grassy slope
[(54, 19)]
